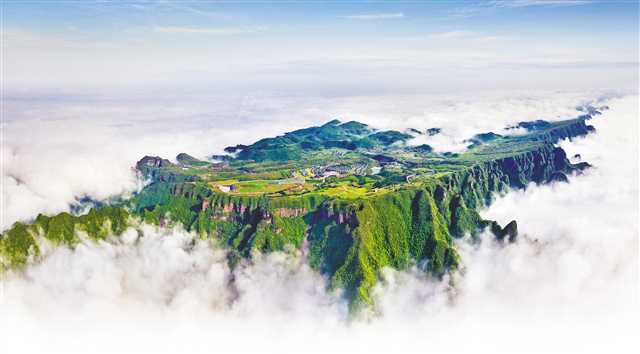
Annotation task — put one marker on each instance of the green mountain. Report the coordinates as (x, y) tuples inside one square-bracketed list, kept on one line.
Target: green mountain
[(300, 143), (354, 199)]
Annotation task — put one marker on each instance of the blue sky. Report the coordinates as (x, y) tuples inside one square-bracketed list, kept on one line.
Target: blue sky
[(356, 18), (76, 44)]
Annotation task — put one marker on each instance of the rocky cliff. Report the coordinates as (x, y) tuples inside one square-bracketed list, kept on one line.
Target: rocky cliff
[(349, 240)]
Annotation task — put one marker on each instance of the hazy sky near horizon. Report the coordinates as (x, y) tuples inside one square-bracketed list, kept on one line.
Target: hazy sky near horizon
[(318, 47)]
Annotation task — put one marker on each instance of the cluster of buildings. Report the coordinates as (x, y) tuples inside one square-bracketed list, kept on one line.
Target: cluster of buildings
[(227, 189), (340, 170)]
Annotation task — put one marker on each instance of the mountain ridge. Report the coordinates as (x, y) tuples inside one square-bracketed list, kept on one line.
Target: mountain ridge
[(355, 213)]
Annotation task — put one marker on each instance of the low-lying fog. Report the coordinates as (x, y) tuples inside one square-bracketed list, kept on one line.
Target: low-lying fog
[(569, 284)]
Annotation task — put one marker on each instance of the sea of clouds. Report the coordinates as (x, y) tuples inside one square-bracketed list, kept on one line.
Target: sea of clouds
[(569, 284), (57, 150)]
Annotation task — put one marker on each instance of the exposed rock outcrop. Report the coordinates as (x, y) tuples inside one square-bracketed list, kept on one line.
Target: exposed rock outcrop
[(510, 231), (433, 131)]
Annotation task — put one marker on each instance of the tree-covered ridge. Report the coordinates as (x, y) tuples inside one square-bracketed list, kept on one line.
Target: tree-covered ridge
[(334, 134), (353, 211)]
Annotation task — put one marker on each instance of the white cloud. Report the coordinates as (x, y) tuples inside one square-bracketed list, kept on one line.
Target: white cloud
[(465, 12), (479, 8), (173, 7), (573, 270), (221, 31), (480, 112), (437, 38), (465, 35), (197, 11), (377, 16), (163, 282), (528, 3), (47, 165), (575, 288), (250, 58), (453, 34)]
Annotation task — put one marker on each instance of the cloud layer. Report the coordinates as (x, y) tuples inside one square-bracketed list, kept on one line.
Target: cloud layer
[(568, 284), (58, 150), (377, 16)]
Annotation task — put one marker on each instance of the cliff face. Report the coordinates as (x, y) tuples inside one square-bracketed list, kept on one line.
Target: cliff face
[(567, 130), (418, 225), (158, 169), (351, 241), (348, 240), (478, 183)]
